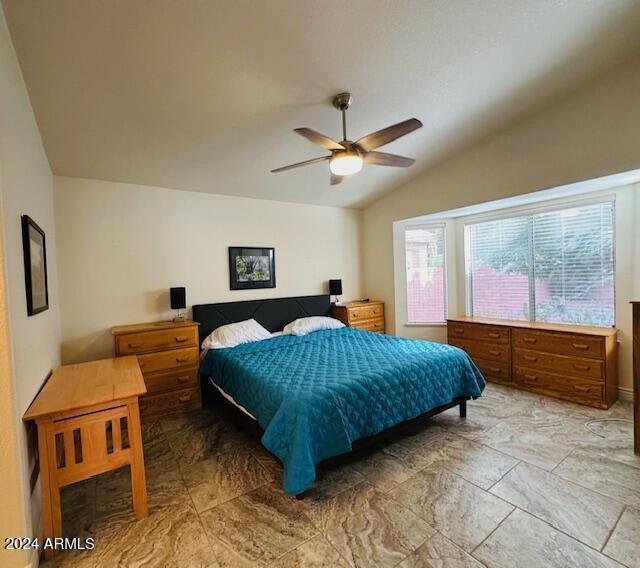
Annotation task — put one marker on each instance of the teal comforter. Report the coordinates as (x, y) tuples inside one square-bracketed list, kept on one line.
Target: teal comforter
[(315, 395)]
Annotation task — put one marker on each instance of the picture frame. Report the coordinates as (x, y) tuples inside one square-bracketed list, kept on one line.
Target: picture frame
[(252, 268), (34, 246)]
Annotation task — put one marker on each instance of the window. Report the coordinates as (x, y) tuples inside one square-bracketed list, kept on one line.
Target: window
[(551, 266), (426, 287)]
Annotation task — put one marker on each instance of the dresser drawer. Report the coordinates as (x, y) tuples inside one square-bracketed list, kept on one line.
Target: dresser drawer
[(575, 389), (171, 380), (486, 333), (156, 340), (361, 313), (370, 325), (496, 371), (560, 343), (480, 350), (176, 401), (164, 360), (588, 368)]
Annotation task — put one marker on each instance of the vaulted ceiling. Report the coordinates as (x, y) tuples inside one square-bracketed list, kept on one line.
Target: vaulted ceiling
[(203, 95)]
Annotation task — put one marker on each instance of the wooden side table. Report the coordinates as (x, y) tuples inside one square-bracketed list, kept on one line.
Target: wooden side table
[(368, 316), (88, 423)]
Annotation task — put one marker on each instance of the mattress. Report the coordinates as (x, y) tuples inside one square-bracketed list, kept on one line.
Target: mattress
[(315, 395), (229, 398)]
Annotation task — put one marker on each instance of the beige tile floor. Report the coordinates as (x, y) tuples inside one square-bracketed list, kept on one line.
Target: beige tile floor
[(522, 482)]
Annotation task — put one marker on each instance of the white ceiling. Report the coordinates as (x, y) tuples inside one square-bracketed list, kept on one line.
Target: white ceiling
[(203, 95)]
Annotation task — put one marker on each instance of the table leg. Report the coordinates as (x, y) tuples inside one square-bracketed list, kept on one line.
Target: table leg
[(138, 480), (49, 490)]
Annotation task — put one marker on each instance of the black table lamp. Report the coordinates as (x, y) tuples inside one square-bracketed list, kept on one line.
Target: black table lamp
[(178, 301), (335, 288)]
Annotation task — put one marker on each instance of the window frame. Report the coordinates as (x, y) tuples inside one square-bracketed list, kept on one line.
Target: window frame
[(445, 280), (529, 212)]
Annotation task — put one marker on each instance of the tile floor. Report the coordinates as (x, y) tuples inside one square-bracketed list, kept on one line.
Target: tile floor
[(524, 481)]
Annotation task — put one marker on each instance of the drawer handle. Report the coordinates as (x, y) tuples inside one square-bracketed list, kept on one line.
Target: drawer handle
[(494, 352), (493, 335), (531, 377), (182, 359), (459, 330), (581, 367), (530, 339), (184, 398), (582, 346), (134, 345), (530, 358), (581, 388), (494, 369), (181, 339), (183, 379)]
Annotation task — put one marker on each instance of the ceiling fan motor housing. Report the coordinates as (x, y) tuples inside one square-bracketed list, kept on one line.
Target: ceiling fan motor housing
[(342, 101)]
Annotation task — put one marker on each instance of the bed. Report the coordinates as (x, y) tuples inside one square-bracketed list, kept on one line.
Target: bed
[(317, 396)]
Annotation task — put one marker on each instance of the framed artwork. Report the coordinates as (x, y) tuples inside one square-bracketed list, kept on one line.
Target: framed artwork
[(35, 266), (251, 268)]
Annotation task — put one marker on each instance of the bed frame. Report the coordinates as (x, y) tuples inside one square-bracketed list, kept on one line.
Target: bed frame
[(274, 314)]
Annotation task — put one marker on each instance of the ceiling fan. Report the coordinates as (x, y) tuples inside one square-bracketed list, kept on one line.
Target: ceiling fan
[(347, 157)]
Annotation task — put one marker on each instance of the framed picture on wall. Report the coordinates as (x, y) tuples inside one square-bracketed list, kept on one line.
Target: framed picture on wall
[(35, 266), (251, 268)]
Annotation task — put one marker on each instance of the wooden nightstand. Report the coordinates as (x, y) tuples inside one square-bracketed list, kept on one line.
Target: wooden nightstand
[(168, 355), (368, 316)]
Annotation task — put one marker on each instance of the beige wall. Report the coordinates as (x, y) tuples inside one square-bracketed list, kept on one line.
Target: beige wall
[(121, 247), (26, 186)]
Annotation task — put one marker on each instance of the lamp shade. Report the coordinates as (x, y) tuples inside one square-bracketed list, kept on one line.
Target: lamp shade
[(335, 287), (178, 298)]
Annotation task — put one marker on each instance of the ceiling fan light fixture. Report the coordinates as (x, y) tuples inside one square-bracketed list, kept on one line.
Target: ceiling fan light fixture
[(345, 163)]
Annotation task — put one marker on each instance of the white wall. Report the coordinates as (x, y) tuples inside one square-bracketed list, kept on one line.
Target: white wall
[(121, 247), (26, 186)]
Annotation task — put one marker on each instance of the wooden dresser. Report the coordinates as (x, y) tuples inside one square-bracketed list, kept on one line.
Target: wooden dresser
[(636, 377), (571, 362), (168, 356), (368, 316)]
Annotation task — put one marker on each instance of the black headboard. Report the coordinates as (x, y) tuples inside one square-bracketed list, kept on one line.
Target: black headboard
[(273, 313)]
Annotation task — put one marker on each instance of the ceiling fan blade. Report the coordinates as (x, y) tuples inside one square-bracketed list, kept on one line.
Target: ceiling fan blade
[(300, 164), (384, 159), (335, 180), (389, 134), (319, 139)]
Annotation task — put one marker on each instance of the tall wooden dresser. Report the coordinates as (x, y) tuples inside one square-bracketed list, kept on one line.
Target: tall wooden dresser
[(368, 316), (636, 377), (572, 362), (168, 356)]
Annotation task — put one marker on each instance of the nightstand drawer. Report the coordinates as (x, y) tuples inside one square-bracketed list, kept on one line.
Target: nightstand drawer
[(171, 380), (159, 405), (164, 360), (362, 313), (370, 325), (156, 340)]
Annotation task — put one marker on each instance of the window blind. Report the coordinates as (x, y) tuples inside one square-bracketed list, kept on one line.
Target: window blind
[(498, 268), (426, 287), (574, 265), (552, 266)]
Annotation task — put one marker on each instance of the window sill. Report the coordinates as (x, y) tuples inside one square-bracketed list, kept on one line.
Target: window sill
[(434, 324)]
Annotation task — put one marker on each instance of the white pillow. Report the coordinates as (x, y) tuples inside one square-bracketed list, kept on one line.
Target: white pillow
[(302, 326), (234, 334)]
